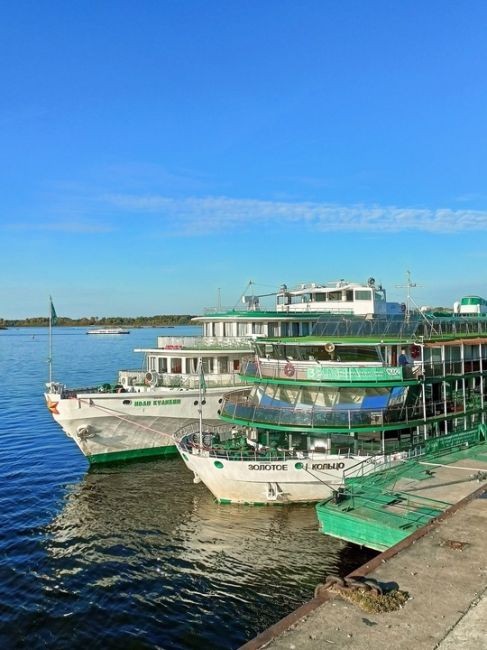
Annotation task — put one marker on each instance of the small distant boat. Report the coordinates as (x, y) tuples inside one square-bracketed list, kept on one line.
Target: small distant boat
[(109, 330)]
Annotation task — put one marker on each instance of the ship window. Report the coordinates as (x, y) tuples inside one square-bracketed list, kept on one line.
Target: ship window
[(280, 351), (362, 295), (162, 364), (326, 397), (126, 402), (352, 397), (358, 353), (176, 366), (319, 297), (471, 352), (207, 365), (242, 329), (288, 395), (335, 295), (272, 329), (224, 364), (307, 396)]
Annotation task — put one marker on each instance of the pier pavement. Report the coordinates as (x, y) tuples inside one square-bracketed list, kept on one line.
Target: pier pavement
[(443, 568)]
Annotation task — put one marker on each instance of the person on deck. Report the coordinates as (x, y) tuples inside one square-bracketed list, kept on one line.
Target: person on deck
[(403, 360)]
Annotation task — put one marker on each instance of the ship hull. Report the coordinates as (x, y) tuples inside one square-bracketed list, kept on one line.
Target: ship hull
[(109, 427), (261, 481)]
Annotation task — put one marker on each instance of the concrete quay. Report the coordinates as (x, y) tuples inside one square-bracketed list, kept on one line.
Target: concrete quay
[(442, 566)]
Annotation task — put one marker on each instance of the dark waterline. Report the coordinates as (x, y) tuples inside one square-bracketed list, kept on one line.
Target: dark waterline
[(134, 555)]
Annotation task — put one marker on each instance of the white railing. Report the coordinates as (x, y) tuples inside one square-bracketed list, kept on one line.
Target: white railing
[(204, 343), (190, 381)]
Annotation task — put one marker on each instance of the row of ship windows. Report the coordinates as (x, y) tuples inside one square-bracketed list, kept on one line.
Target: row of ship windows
[(260, 329)]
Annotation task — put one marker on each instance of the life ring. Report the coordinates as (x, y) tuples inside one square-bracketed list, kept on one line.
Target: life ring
[(289, 369), (415, 351)]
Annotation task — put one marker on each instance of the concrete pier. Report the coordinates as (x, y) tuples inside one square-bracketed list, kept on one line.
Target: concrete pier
[(442, 566)]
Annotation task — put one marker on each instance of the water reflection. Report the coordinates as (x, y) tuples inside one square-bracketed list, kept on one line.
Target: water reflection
[(184, 571)]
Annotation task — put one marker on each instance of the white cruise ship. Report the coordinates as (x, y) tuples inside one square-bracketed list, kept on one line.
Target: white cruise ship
[(138, 415)]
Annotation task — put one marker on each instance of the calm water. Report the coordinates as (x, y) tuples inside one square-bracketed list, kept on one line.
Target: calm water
[(134, 555)]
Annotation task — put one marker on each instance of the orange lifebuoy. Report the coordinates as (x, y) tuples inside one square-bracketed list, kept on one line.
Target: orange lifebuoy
[(289, 369)]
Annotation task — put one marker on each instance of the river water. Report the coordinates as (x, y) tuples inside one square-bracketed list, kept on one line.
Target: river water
[(131, 555)]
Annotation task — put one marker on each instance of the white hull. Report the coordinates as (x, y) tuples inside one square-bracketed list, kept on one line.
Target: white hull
[(258, 481), (111, 426)]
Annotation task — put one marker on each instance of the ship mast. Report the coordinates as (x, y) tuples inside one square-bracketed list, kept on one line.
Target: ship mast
[(408, 286)]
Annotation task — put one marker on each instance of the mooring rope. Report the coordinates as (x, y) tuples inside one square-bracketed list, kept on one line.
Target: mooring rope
[(467, 469), (90, 402)]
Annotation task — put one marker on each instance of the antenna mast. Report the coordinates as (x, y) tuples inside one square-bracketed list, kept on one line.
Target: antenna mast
[(408, 286)]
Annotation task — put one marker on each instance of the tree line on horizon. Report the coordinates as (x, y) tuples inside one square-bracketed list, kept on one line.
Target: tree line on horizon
[(108, 321)]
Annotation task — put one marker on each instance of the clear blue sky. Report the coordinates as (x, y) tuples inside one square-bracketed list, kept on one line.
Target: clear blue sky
[(153, 152)]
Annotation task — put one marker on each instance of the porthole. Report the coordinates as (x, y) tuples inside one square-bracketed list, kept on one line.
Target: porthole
[(218, 464), (127, 402)]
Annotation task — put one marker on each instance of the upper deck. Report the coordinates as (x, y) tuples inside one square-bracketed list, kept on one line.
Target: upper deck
[(342, 297)]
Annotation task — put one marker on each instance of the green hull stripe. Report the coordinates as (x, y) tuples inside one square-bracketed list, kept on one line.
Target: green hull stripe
[(133, 454)]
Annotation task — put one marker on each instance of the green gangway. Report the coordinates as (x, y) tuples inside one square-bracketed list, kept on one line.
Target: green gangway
[(369, 511)]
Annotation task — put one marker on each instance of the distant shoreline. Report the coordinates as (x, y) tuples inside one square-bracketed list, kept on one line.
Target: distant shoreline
[(140, 321)]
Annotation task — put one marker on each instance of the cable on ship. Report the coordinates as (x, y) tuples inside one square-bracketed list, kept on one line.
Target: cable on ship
[(124, 419)]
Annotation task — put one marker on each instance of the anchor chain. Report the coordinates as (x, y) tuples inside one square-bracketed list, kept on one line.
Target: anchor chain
[(347, 585)]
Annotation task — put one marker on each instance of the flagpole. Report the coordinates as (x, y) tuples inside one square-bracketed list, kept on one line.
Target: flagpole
[(49, 359), (200, 400)]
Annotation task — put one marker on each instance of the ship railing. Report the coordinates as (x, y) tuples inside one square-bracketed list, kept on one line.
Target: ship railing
[(457, 326), (241, 406), (222, 380), (380, 373), (300, 370), (129, 378), (420, 447), (415, 327), (382, 461), (211, 440), (445, 368), (204, 343)]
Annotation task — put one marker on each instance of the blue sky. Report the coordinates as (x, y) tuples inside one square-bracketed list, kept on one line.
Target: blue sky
[(154, 152)]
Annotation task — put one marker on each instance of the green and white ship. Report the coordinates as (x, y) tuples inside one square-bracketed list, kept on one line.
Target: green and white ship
[(371, 387)]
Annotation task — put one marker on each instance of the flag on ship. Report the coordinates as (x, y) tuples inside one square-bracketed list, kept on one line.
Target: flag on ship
[(202, 381), (53, 315)]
